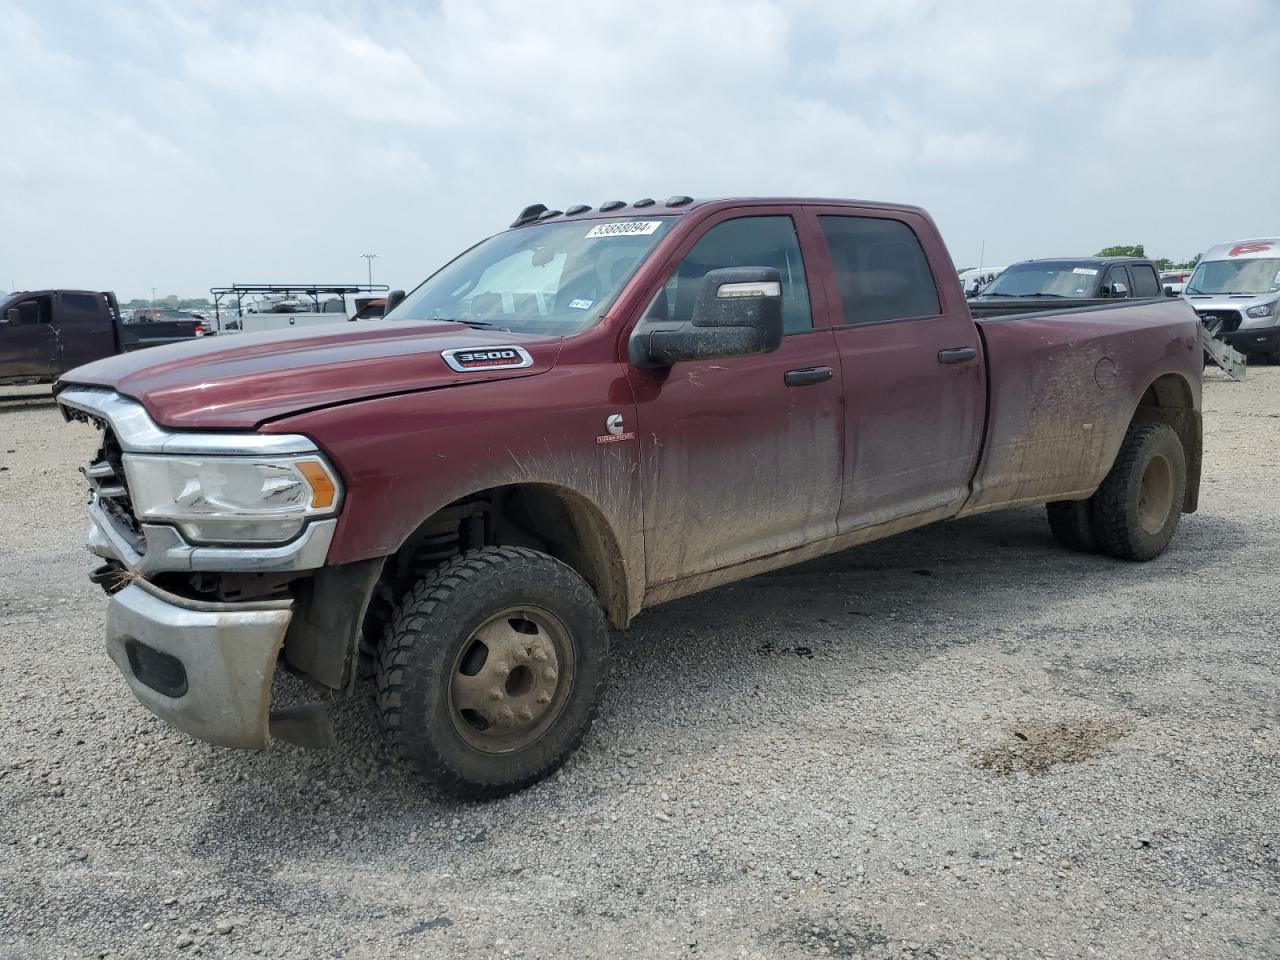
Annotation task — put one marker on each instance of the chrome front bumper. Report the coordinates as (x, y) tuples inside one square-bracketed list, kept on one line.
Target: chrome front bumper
[(205, 668)]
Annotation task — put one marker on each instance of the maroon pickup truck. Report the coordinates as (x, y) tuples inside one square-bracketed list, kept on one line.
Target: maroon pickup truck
[(590, 413)]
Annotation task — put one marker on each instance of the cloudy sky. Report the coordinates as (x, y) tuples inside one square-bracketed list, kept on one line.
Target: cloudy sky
[(180, 144)]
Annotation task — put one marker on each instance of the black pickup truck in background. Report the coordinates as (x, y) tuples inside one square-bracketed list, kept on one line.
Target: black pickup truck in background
[(45, 333), (1067, 283)]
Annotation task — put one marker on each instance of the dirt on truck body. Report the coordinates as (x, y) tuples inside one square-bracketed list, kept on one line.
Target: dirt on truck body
[(592, 412)]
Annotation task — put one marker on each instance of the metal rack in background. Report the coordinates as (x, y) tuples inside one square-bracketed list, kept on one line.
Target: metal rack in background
[(312, 290)]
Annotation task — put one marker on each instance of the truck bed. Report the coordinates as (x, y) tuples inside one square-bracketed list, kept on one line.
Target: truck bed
[(156, 333), (1062, 389), (1026, 306)]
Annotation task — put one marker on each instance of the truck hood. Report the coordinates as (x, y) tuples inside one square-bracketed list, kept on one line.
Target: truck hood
[(239, 381)]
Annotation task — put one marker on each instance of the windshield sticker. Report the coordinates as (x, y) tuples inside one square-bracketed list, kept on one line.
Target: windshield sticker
[(624, 228), (487, 358), (1087, 271), (580, 304)]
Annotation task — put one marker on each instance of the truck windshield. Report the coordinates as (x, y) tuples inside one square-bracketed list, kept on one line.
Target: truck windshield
[(1044, 279), (554, 278), (1235, 276)]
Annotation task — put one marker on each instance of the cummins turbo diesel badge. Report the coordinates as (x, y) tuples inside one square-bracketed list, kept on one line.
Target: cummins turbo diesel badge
[(487, 358)]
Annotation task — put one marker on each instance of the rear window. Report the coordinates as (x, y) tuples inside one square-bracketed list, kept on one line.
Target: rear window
[(1145, 283), (80, 308), (880, 268)]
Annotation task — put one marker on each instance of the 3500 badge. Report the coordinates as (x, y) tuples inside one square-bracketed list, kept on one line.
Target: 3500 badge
[(487, 358)]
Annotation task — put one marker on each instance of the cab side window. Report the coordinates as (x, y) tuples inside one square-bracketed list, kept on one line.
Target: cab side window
[(1145, 283), (1117, 280), (80, 308), (31, 312), (742, 242), (880, 268)]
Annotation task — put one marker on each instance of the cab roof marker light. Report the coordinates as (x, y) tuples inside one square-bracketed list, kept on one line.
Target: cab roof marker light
[(529, 214), (678, 201), (576, 209), (548, 214), (610, 205), (646, 202)]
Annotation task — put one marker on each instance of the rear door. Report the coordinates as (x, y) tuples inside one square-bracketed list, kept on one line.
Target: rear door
[(740, 456), (911, 365), (85, 329)]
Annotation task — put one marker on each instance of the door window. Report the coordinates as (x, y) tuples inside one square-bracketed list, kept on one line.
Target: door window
[(32, 312), (80, 308), (743, 242), (1145, 283), (1118, 282), (880, 268)]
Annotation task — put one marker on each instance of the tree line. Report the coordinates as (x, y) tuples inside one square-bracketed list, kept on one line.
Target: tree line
[(1136, 250)]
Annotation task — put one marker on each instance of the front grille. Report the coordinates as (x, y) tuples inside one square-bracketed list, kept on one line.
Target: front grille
[(107, 481), (1220, 321)]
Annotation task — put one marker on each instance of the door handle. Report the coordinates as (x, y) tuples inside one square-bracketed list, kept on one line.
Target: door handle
[(807, 375), (957, 354)]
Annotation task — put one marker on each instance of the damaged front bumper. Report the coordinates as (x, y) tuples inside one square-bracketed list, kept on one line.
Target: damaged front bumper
[(206, 668)]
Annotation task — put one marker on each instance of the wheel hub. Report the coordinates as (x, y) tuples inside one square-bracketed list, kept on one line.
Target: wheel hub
[(1155, 495), (508, 682)]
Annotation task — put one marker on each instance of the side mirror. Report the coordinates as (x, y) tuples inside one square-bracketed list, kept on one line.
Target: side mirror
[(393, 300), (1168, 292), (738, 313), (10, 316)]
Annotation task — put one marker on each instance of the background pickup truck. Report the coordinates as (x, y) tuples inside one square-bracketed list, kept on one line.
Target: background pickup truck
[(45, 333), (1078, 282), (590, 413)]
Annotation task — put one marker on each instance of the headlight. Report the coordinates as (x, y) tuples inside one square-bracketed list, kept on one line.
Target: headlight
[(232, 499), (1262, 310)]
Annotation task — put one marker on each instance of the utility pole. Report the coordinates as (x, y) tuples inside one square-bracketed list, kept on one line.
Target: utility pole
[(982, 257), (369, 258)]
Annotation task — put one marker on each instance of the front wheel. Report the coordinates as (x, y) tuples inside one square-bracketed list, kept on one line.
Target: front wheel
[(490, 672), (1137, 508)]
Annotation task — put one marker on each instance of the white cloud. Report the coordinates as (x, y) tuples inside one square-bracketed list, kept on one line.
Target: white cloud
[(182, 145)]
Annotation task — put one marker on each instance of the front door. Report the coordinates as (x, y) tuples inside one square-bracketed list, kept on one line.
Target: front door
[(740, 457), (29, 343), (912, 366)]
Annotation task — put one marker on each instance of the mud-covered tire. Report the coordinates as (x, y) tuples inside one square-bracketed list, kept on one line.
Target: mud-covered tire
[(431, 644), (1071, 523), (1137, 508)]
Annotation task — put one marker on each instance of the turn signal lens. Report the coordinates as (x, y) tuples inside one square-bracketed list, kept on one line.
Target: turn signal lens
[(323, 492)]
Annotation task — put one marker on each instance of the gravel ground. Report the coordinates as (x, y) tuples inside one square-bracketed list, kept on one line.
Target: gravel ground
[(962, 742)]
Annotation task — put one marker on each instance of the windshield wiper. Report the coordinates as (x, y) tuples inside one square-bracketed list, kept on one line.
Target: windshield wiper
[(477, 324), (1058, 295)]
